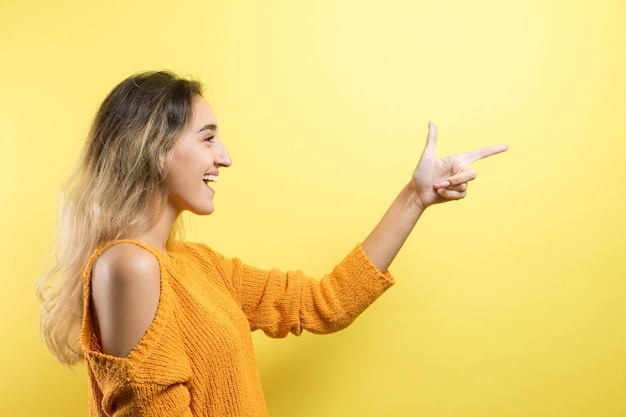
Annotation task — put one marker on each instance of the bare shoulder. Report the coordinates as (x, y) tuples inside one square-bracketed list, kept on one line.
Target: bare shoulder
[(126, 286), (126, 259)]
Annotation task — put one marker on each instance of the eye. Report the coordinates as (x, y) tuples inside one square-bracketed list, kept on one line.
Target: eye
[(209, 139)]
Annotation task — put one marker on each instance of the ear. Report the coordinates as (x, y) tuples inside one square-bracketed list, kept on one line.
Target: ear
[(162, 163), (165, 159)]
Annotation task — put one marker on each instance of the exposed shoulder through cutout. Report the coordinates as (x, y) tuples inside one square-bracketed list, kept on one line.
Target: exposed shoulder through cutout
[(125, 292)]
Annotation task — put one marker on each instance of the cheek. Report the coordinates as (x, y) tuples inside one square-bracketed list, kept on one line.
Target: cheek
[(188, 159)]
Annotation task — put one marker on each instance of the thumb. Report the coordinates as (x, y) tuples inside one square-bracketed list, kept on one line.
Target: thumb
[(431, 141)]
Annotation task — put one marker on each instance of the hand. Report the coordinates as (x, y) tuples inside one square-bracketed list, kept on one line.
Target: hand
[(437, 180)]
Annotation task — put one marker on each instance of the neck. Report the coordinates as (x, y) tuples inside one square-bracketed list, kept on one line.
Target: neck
[(158, 234)]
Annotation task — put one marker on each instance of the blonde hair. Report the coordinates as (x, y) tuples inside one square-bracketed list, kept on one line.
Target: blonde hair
[(119, 188)]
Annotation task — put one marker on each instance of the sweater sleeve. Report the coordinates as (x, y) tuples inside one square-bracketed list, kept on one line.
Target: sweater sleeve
[(124, 391), (282, 302)]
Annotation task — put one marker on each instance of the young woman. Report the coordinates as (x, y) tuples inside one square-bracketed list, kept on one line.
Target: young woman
[(164, 325)]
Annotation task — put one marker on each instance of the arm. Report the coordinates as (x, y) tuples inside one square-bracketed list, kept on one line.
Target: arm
[(125, 287), (130, 369), (435, 180), (280, 303)]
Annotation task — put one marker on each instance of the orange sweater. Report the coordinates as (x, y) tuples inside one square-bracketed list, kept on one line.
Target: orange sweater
[(196, 358)]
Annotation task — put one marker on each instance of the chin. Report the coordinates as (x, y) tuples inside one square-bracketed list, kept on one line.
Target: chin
[(205, 211)]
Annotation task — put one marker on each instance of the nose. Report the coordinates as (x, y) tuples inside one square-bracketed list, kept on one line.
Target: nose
[(222, 158)]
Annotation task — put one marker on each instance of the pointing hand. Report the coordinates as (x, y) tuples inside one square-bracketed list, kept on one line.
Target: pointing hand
[(437, 180)]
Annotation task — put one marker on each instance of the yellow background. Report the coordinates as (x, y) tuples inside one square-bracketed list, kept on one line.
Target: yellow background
[(509, 303)]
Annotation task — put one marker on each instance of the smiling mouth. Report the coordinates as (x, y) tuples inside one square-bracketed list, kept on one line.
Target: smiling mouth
[(209, 178)]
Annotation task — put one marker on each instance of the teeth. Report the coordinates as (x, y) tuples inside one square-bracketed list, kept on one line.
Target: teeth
[(209, 178)]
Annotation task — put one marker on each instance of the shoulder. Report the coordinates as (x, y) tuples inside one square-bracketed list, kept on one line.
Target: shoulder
[(199, 252), (125, 260), (209, 261), (125, 291)]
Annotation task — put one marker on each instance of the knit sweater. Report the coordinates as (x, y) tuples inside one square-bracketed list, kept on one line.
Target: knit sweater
[(196, 358)]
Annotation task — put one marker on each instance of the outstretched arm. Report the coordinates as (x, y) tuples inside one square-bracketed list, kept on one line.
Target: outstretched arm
[(435, 180)]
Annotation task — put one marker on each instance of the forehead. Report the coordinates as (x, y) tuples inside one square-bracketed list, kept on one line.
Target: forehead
[(203, 114)]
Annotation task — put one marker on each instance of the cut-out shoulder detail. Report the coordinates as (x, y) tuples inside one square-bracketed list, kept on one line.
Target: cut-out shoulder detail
[(197, 356), (125, 285)]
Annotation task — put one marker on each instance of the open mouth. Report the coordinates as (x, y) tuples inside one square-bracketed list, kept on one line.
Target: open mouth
[(209, 178)]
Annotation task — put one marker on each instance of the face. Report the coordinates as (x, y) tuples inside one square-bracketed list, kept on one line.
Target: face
[(195, 162)]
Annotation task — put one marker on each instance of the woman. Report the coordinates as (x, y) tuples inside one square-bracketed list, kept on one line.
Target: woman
[(164, 325)]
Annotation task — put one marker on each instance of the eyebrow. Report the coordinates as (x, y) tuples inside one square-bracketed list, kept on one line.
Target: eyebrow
[(207, 127)]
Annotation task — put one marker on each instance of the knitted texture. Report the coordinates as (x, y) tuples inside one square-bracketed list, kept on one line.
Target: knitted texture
[(197, 358)]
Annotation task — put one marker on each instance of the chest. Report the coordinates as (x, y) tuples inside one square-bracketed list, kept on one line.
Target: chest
[(207, 311)]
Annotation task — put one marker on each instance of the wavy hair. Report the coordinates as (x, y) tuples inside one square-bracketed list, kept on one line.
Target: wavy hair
[(118, 189)]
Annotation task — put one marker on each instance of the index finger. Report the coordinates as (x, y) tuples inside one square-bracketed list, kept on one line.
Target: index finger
[(473, 156)]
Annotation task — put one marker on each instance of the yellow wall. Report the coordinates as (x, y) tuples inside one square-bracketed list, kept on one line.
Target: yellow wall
[(510, 303)]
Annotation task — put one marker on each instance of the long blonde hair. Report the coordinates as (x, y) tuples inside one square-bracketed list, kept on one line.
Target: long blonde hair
[(118, 184)]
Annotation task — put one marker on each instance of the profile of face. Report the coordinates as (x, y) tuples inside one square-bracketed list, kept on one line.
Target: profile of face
[(194, 163)]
